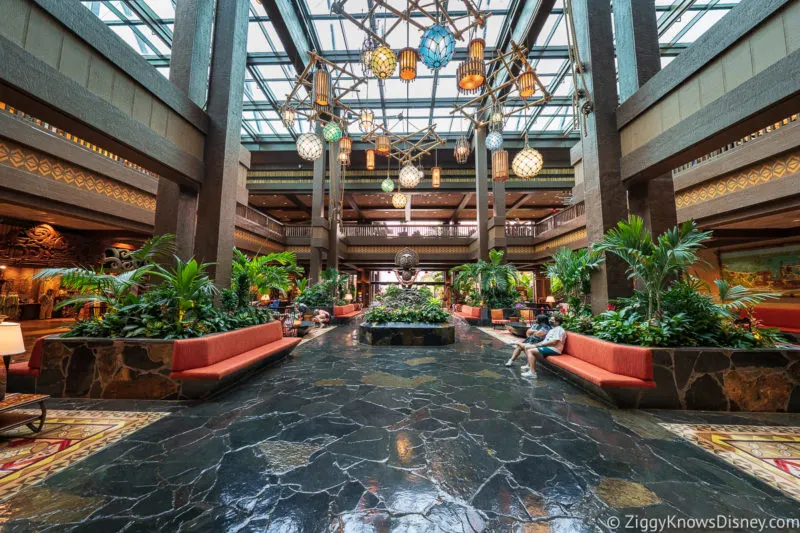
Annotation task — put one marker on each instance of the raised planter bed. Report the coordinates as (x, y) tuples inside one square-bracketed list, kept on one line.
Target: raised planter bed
[(406, 334)]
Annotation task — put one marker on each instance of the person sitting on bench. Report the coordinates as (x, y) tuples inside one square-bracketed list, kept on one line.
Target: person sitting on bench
[(553, 344), (534, 334)]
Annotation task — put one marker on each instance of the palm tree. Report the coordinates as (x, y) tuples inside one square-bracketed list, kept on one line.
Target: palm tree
[(113, 290), (492, 278), (187, 284), (654, 263), (734, 298), (570, 272), (265, 272)]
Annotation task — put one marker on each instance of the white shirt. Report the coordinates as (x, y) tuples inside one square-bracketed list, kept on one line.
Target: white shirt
[(556, 334)]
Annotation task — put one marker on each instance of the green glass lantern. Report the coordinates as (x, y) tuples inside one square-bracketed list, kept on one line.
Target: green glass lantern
[(387, 185), (332, 132)]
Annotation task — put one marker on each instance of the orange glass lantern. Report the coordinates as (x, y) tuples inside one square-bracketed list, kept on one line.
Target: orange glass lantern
[(526, 83), (383, 145), (321, 87), (370, 159), (500, 165), (408, 64), (436, 177), (345, 145)]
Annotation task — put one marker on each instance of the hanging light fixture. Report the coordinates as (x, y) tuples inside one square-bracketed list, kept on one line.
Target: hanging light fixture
[(526, 83), (471, 74), (461, 151), (370, 159), (309, 146), (321, 88), (436, 47), (344, 158), (408, 64), (527, 163), (436, 173), (288, 115), (497, 117), (383, 62), (399, 200), (332, 132), (387, 185), (383, 145), (345, 144), (409, 176), (494, 140), (500, 165), (367, 49), (366, 120)]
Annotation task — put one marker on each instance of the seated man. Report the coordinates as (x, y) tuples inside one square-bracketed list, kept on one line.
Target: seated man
[(534, 334), (553, 344), (321, 318)]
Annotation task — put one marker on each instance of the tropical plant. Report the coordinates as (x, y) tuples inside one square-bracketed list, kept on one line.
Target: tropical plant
[(265, 273), (301, 285), (494, 280), (570, 272), (337, 282), (186, 284), (734, 298), (653, 263), (93, 284)]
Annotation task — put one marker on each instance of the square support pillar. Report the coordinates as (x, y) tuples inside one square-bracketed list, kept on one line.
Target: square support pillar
[(176, 206), (216, 212), (497, 224), (481, 193), (605, 196), (334, 204)]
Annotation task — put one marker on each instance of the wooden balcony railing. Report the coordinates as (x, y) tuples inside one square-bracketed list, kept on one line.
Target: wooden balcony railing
[(410, 230), (272, 227), (559, 219), (526, 231), (298, 231)]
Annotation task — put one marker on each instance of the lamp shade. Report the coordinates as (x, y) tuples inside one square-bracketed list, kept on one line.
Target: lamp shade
[(11, 342), (527, 163), (399, 200), (332, 132), (470, 75), (436, 47), (370, 159), (321, 87), (526, 83), (408, 64), (500, 165), (387, 185), (436, 177), (550, 299), (409, 176), (383, 144), (494, 140), (345, 145), (383, 62), (309, 146)]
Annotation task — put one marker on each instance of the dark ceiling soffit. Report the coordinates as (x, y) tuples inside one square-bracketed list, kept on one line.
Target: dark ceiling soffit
[(558, 142)]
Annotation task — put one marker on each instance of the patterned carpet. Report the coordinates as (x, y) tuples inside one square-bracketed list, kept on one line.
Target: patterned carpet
[(772, 454), (67, 437)]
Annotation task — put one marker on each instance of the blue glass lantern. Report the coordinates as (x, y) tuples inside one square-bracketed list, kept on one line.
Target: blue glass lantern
[(494, 140), (437, 46)]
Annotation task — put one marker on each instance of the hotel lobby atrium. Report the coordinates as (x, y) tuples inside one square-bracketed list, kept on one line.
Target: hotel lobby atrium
[(423, 266)]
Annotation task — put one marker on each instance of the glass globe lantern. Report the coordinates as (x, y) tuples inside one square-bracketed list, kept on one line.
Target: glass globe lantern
[(309, 146), (409, 176), (437, 46), (399, 200), (408, 64), (367, 49), (366, 120), (383, 62), (526, 83), (387, 185), (494, 140), (436, 177), (332, 132), (500, 165), (370, 159), (527, 163), (288, 115), (461, 151)]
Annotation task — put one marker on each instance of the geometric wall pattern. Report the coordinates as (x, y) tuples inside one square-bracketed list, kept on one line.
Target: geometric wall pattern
[(754, 176), (35, 162)]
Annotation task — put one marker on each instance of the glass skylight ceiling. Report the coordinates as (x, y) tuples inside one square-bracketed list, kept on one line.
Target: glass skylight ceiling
[(146, 25)]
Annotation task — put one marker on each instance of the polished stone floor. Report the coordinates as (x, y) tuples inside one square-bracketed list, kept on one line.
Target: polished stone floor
[(345, 437)]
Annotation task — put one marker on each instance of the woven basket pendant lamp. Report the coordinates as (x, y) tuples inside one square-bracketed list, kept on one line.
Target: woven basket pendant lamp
[(471, 74), (345, 145), (500, 165), (526, 83), (321, 87), (370, 159), (436, 177), (408, 64), (383, 145)]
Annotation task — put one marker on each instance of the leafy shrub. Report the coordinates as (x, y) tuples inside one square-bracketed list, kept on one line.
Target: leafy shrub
[(396, 297), (429, 313), (319, 295)]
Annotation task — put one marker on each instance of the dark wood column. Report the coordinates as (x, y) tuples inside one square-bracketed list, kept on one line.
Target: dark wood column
[(319, 224), (639, 59), (497, 224), (334, 204), (605, 196), (176, 206), (481, 193), (216, 213)]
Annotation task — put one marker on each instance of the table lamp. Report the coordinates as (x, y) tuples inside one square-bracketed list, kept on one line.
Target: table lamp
[(550, 300), (11, 343)]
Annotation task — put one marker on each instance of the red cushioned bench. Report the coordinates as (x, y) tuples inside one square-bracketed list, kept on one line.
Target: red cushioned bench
[(784, 317), (343, 313), (468, 313), (215, 357), (615, 372), (32, 366)]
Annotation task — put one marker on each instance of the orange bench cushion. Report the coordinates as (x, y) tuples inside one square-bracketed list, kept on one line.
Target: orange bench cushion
[(22, 369), (344, 311), (224, 368), (783, 317), (32, 366), (622, 359), (212, 349), (598, 376)]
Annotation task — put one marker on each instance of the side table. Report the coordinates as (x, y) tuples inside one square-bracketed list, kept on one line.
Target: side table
[(11, 418)]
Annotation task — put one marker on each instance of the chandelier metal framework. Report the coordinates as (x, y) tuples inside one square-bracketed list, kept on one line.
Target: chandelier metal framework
[(404, 148)]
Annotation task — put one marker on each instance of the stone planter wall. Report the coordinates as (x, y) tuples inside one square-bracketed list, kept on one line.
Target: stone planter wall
[(397, 334), (107, 368)]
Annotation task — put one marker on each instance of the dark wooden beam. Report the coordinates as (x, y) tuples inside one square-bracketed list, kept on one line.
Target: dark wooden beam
[(291, 31), (464, 201), (759, 234)]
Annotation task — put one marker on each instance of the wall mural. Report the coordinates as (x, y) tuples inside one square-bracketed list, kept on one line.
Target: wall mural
[(44, 246), (766, 269)]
